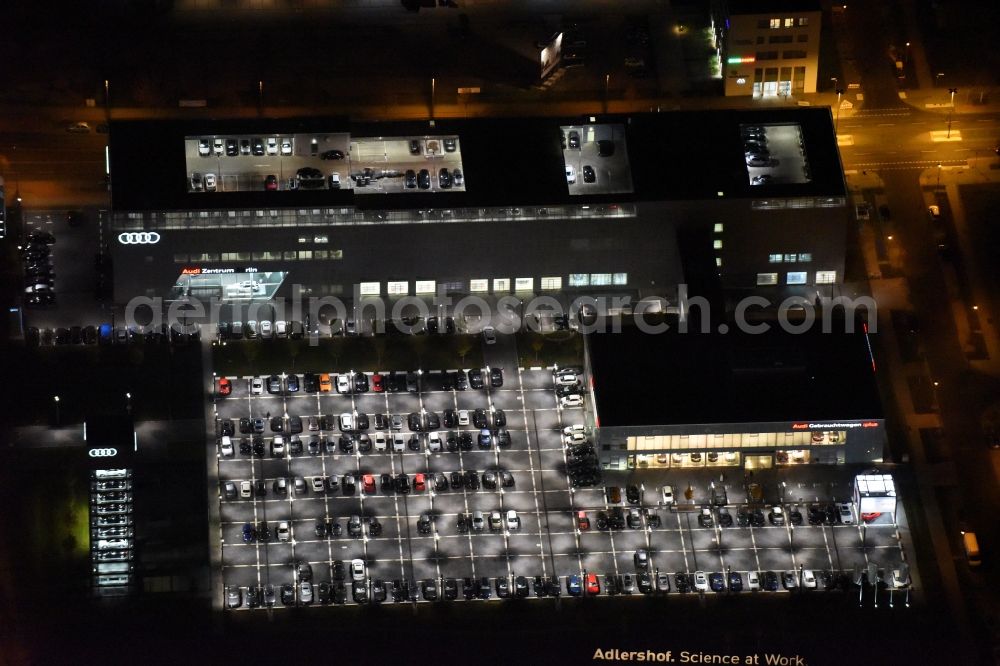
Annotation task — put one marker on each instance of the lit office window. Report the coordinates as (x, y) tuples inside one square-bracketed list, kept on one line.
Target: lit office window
[(774, 258), (320, 254), (789, 258), (321, 239), (775, 23), (767, 278), (501, 285), (551, 283), (370, 288), (600, 279), (796, 278), (336, 254), (479, 286), (524, 284), (305, 254), (826, 277), (452, 287), (789, 22), (804, 21), (424, 286), (717, 228), (289, 255), (205, 256), (397, 288), (579, 280), (718, 262), (620, 278), (805, 256), (717, 244)]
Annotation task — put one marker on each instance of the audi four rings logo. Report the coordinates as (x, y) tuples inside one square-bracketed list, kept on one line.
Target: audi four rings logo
[(139, 238), (102, 453)]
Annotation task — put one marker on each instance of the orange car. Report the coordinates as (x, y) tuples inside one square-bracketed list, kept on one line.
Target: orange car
[(324, 383), (419, 482), (225, 386), (368, 483), (593, 587)]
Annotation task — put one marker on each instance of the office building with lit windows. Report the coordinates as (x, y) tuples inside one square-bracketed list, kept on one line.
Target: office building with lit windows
[(769, 48), (630, 205)]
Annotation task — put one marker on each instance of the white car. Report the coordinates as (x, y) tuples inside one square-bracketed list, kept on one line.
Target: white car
[(112, 544), (272, 146), (667, 492), (278, 446), (334, 181), (220, 146), (398, 444), (305, 592), (808, 578), (513, 521), (280, 328), (346, 422), (700, 581), (434, 442), (570, 174), (284, 531), (575, 400), (753, 580), (256, 386), (358, 569), (227, 446), (567, 379), (575, 438), (286, 147), (846, 515), (380, 441), (319, 484), (343, 384), (900, 578), (579, 427), (246, 490), (463, 417), (265, 329), (210, 182)]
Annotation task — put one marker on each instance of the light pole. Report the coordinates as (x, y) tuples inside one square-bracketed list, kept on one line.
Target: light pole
[(939, 176), (55, 399), (433, 90), (260, 97), (107, 100), (836, 126), (607, 83), (951, 110)]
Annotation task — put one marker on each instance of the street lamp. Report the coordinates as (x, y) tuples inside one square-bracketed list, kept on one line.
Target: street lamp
[(951, 110), (55, 399), (836, 126), (607, 83), (939, 176), (260, 96)]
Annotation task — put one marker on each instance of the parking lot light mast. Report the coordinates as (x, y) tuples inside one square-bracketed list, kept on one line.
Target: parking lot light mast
[(951, 111), (836, 126), (55, 399)]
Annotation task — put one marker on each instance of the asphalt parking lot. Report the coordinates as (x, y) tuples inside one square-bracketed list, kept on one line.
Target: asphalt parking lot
[(548, 542)]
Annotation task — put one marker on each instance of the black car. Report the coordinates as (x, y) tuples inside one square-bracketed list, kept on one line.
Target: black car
[(310, 382), (471, 480), (479, 418), (360, 383), (346, 444), (360, 592), (520, 587), (364, 443), (632, 494), (232, 149), (440, 482), (462, 525), (258, 146), (503, 587), (769, 581), (502, 438), (589, 175), (682, 582), (476, 378), (424, 524), (339, 594), (444, 179), (295, 425), (253, 596), (331, 155), (424, 179), (450, 418), (414, 422), (277, 424), (324, 592), (433, 422), (499, 418), (465, 441), (386, 483), (402, 484), (795, 516), (429, 590), (468, 589), (574, 140), (274, 384), (287, 594), (414, 147), (310, 177), (456, 480), (226, 427), (450, 589), (489, 480), (506, 479), (602, 520), (496, 377), (347, 484), (361, 422), (410, 179), (449, 145), (725, 518), (483, 588), (246, 426), (413, 444)]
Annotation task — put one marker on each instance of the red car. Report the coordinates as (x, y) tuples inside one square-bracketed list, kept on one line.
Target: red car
[(593, 587), (582, 521), (271, 183), (225, 386), (377, 383), (368, 483), (419, 482)]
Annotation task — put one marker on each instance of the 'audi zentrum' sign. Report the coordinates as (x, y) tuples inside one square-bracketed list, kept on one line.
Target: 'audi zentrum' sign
[(139, 238), (102, 453)]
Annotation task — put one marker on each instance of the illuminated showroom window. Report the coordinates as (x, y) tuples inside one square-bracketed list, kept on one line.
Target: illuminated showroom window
[(321, 239), (551, 283), (501, 284), (600, 279), (397, 288), (620, 278), (479, 285), (424, 286), (717, 244), (370, 288), (775, 258), (767, 278), (826, 277), (717, 228), (579, 279), (797, 277), (524, 284)]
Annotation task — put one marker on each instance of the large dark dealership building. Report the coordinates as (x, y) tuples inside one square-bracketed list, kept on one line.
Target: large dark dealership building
[(241, 210)]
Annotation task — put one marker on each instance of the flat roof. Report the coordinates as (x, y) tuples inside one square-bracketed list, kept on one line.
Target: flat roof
[(678, 378), (677, 155)]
